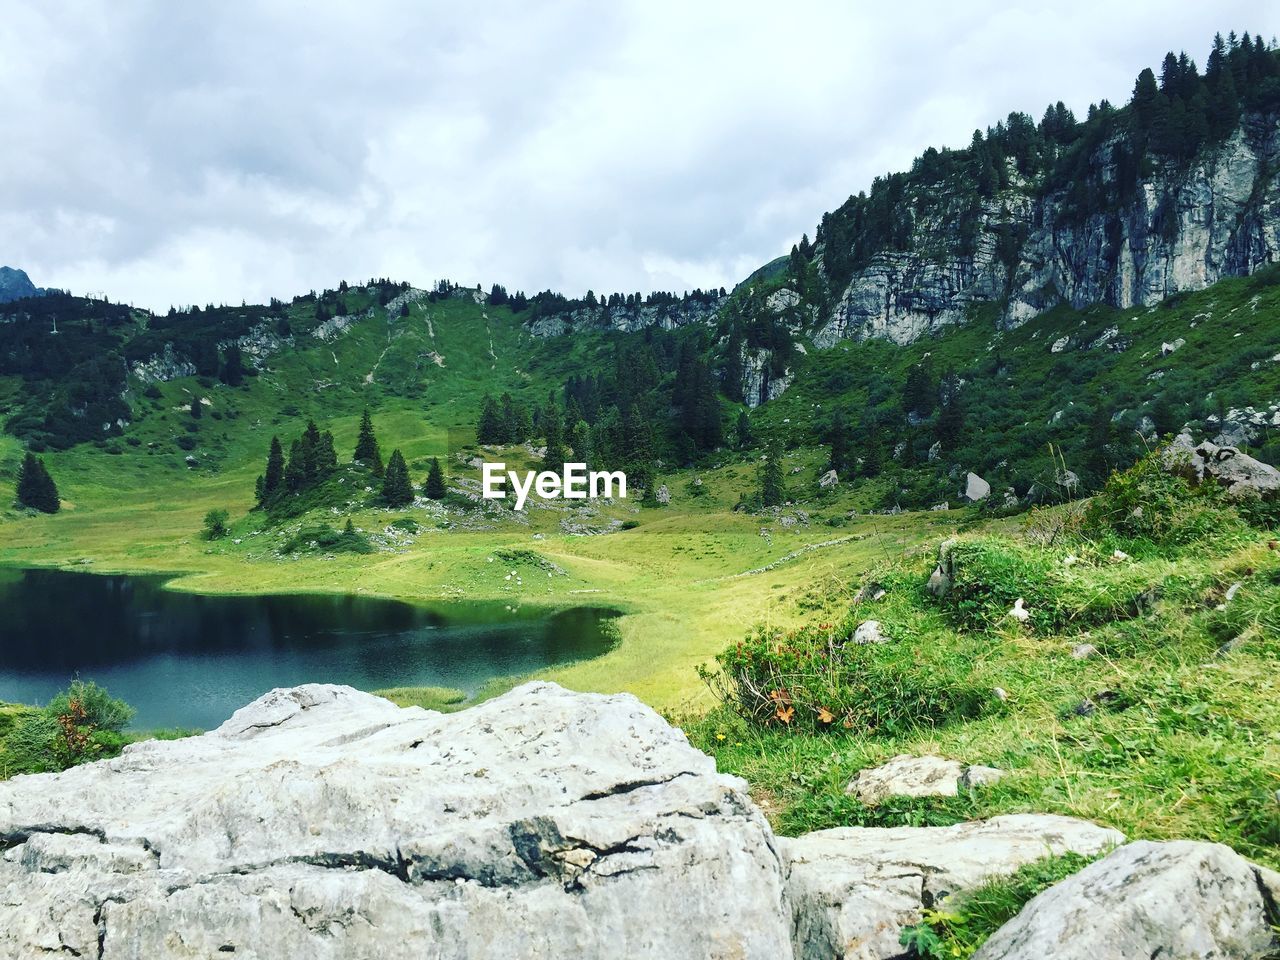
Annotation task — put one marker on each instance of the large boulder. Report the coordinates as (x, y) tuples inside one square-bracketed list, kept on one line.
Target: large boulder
[(853, 889), (1178, 899), (322, 822), (1241, 475), (975, 488)]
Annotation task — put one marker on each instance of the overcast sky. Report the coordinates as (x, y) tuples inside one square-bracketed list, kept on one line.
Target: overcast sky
[(163, 154)]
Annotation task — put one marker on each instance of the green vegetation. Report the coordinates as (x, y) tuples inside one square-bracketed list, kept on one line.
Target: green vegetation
[(82, 723), (961, 924), (36, 488), (1164, 726), (441, 699)]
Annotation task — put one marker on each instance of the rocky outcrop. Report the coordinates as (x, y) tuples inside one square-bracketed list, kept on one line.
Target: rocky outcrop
[(326, 823), (853, 889), (16, 285), (1175, 899), (628, 319), (167, 365), (1239, 474), (1181, 231)]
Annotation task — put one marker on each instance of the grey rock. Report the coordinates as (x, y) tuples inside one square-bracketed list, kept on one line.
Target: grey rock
[(1241, 475), (16, 285), (324, 822), (911, 776), (663, 495), (935, 451), (828, 479), (853, 889), (869, 632), (975, 488), (1083, 651), (1178, 899)]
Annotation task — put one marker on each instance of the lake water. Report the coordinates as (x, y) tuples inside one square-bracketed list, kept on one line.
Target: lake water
[(185, 660)]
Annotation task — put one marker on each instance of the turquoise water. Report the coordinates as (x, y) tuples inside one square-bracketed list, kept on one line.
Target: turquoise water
[(186, 660)]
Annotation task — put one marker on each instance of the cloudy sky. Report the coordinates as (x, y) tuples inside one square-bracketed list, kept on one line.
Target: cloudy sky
[(164, 154)]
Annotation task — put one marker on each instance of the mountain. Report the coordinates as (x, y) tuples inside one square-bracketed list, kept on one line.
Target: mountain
[(16, 285), (1033, 309)]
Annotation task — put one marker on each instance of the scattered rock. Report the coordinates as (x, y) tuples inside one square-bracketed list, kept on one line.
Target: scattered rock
[(943, 575), (980, 776), (1149, 899), (1020, 611), (853, 889), (975, 488), (324, 822), (663, 496), (940, 507), (1000, 694), (910, 776), (1240, 474), (828, 479), (869, 632), (935, 451), (1083, 651), (1174, 347)]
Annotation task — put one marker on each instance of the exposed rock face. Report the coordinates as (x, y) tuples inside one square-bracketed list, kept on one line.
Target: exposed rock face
[(666, 316), (853, 889), (1181, 232), (1176, 899), (908, 776), (760, 382), (323, 822), (15, 285), (1240, 474), (164, 366)]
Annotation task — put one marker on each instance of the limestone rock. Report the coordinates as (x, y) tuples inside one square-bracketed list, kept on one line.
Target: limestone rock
[(828, 479), (663, 495), (869, 632), (910, 776), (853, 889), (975, 488), (323, 822), (1179, 899), (1240, 474)]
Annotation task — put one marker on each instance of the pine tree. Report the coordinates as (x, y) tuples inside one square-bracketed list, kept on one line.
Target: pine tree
[(580, 441), (489, 428), (397, 488), (435, 488), (367, 451), (273, 479), (295, 471), (196, 412), (772, 491), (745, 436), (36, 488), (232, 366), (311, 452), (731, 372), (553, 429), (327, 453)]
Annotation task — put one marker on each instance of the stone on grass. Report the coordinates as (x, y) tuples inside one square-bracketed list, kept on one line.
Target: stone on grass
[(1177, 899), (1083, 651), (911, 776), (975, 488), (869, 632), (1242, 476), (828, 479), (322, 822), (853, 889)]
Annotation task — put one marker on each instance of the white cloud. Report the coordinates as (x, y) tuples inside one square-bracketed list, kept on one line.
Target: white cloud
[(168, 153)]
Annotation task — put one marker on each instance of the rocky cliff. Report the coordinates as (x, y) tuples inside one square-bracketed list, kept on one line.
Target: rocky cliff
[(322, 822), (15, 285), (1183, 228)]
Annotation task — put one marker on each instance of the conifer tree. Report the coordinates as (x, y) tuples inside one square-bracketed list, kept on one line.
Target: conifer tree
[(232, 366), (580, 441), (295, 471), (745, 436), (397, 489), (772, 491), (273, 479), (36, 488), (553, 429), (367, 451), (489, 428), (327, 454), (196, 412), (435, 488), (311, 451)]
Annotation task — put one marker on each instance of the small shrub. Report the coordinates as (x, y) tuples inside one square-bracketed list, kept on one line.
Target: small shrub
[(817, 679), (1147, 503), (322, 538), (215, 525), (81, 723)]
